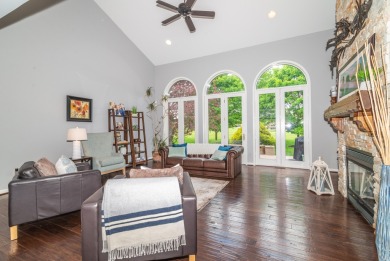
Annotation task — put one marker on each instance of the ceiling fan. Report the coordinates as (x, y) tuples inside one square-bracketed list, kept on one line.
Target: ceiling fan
[(185, 10)]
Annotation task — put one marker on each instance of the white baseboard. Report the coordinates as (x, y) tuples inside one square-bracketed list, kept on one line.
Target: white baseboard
[(3, 191), (333, 170)]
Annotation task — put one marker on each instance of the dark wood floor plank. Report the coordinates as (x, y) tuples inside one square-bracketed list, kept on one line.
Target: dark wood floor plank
[(264, 214)]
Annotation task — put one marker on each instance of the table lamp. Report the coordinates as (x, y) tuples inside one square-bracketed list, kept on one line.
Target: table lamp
[(76, 135)]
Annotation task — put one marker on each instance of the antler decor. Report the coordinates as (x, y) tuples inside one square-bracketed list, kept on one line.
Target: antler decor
[(343, 30)]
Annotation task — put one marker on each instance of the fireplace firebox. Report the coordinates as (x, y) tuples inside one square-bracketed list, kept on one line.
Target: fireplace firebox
[(360, 180)]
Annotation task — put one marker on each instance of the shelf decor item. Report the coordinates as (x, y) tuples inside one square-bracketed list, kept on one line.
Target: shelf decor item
[(78, 109), (378, 121), (76, 135), (134, 110)]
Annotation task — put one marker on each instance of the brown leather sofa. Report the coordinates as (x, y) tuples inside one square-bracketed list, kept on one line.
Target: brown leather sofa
[(203, 165), (43, 197), (91, 229)]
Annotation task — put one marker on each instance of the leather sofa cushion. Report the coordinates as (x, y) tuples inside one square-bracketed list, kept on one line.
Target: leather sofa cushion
[(175, 161), (28, 171), (193, 162), (110, 160), (214, 164)]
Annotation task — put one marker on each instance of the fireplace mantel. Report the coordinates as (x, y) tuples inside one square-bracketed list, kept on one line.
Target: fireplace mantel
[(350, 107)]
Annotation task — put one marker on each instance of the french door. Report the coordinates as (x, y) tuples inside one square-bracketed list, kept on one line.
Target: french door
[(282, 127), (225, 120), (181, 120)]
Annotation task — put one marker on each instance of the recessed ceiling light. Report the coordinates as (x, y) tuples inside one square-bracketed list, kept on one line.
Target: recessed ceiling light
[(271, 14), (168, 42)]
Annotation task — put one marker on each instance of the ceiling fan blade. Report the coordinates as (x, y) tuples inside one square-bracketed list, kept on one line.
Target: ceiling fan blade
[(167, 6), (190, 3), (190, 24), (171, 19), (203, 14)]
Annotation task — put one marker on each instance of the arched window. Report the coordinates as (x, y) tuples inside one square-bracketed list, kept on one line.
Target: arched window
[(281, 75), (181, 120), (282, 113), (224, 109)]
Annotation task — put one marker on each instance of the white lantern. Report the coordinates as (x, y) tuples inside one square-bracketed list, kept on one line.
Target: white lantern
[(320, 181)]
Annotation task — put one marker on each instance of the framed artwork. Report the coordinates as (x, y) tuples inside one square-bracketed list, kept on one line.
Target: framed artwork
[(347, 83), (78, 109)]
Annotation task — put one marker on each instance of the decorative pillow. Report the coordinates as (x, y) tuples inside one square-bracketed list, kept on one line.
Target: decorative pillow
[(28, 171), (219, 155), (45, 167), (225, 148), (177, 152), (181, 145), (64, 165), (149, 173)]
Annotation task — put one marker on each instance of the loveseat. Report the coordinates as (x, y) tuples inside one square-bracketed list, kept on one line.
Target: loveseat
[(198, 161), (91, 228), (37, 197)]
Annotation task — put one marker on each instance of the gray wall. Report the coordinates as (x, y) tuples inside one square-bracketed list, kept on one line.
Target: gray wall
[(74, 49), (308, 51)]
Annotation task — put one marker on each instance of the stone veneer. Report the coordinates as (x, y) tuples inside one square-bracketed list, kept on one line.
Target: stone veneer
[(378, 22)]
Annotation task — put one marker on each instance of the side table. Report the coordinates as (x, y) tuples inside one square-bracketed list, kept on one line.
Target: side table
[(83, 159)]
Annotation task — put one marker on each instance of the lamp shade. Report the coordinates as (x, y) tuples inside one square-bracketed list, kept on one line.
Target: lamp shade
[(77, 134)]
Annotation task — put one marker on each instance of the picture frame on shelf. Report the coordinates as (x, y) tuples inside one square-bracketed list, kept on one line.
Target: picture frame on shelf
[(347, 84), (78, 109)]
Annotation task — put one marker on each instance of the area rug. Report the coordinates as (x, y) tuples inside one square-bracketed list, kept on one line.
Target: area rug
[(206, 190)]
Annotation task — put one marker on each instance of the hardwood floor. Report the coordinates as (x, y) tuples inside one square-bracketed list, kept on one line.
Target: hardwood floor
[(264, 214)]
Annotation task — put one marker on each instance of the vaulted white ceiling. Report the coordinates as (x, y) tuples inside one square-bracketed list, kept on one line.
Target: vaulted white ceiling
[(237, 24)]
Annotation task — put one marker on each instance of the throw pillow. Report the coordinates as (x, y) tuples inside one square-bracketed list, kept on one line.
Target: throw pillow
[(225, 148), (219, 155), (181, 145), (64, 165), (149, 173), (28, 171), (177, 152), (45, 167)]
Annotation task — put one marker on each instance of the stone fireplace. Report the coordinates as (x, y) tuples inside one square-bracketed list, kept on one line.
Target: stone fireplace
[(359, 163), (358, 159)]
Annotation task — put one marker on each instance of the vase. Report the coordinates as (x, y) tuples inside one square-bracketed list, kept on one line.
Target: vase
[(156, 156), (383, 218), (123, 150)]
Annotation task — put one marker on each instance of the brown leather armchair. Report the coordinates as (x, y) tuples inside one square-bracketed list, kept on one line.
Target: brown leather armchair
[(43, 197), (91, 227)]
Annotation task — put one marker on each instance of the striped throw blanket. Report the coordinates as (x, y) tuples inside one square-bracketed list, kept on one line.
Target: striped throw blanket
[(141, 216)]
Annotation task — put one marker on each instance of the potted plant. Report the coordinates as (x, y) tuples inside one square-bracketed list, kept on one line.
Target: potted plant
[(134, 110), (157, 120)]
